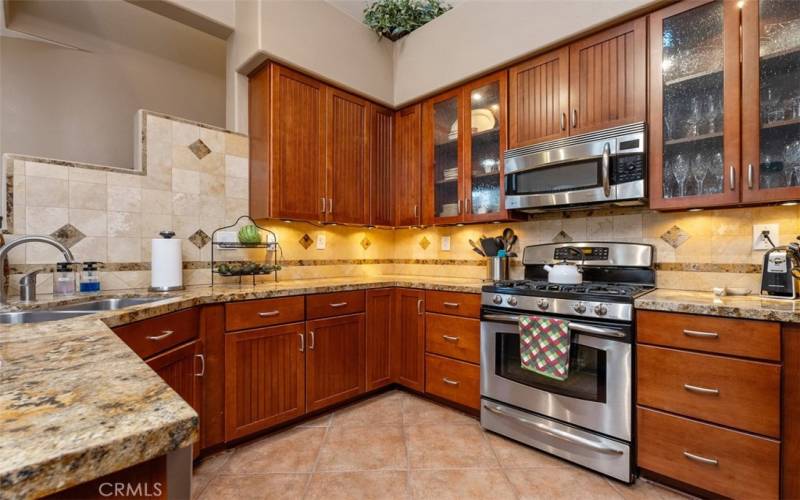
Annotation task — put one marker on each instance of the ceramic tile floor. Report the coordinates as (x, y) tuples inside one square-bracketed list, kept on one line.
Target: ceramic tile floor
[(399, 446)]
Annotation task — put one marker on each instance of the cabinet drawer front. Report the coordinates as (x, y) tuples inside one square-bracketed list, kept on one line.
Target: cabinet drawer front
[(746, 466), (155, 335), (459, 304), (257, 313), (453, 380), (453, 337), (325, 305), (737, 337), (741, 394)]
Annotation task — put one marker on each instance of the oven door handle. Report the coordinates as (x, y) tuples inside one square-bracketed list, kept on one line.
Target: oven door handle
[(558, 433), (578, 327)]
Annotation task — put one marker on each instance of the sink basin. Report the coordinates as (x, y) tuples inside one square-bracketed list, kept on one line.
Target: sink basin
[(17, 317), (110, 304)]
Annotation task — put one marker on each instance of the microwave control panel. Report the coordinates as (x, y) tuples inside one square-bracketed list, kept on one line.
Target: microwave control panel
[(628, 168)]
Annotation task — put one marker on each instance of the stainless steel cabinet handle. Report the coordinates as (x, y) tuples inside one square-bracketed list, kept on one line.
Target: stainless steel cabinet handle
[(330, 205), (574, 118), (749, 176), (466, 205), (701, 335), (302, 342), (419, 307), (450, 381), (164, 334), (563, 121), (311, 340), (415, 211), (450, 338), (323, 204), (733, 178), (338, 304), (450, 304), (558, 433), (459, 207), (268, 314), (605, 168), (700, 390), (702, 460), (202, 365)]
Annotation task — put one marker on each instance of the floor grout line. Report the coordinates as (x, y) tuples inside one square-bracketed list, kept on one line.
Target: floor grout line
[(409, 491), (319, 455), (499, 463)]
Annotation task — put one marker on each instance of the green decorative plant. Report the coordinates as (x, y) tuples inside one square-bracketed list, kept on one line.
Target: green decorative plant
[(395, 19)]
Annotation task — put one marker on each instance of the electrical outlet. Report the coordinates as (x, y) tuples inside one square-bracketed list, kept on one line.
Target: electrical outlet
[(761, 243), (321, 241), (445, 243)]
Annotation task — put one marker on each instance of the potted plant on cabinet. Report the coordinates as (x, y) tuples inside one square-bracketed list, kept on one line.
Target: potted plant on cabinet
[(394, 19)]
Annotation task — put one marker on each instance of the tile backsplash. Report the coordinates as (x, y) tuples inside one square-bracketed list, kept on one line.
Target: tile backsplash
[(192, 178)]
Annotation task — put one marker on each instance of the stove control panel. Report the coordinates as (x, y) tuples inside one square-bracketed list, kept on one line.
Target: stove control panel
[(565, 307)]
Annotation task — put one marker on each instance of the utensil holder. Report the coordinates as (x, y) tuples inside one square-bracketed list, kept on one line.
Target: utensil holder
[(496, 268)]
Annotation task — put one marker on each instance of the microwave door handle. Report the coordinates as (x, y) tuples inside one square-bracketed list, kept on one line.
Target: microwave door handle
[(605, 332), (605, 168)]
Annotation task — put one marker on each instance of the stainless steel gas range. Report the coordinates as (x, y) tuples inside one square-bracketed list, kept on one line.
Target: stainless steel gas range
[(587, 418)]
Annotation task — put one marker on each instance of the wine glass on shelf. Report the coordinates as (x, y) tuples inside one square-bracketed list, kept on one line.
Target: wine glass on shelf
[(713, 113), (680, 169), (695, 117), (699, 172), (717, 169), (791, 161), (668, 180)]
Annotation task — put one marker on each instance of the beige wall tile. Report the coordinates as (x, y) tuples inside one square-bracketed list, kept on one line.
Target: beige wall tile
[(124, 224), (184, 159), (86, 195), (185, 204), (184, 134), (42, 254), (213, 164), (45, 220), (125, 179), (77, 174), (599, 228), (124, 198), (89, 222), (185, 181), (214, 139), (236, 166), (91, 249), (19, 186), (156, 201), (236, 145), (152, 224), (235, 207), (124, 249), (46, 192), (236, 187), (36, 169), (212, 206), (212, 185), (158, 129), (158, 178)]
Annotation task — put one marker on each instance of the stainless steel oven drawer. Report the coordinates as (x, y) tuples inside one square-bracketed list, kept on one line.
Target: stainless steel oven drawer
[(599, 453)]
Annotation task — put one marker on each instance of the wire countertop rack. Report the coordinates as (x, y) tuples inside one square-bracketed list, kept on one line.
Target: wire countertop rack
[(240, 269)]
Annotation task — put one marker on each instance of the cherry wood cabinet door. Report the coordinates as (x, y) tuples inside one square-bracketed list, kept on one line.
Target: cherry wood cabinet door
[(381, 182), (443, 158), (608, 78), (539, 99), (770, 101), (335, 360), (407, 166), (264, 378), (258, 127), (408, 338), (694, 105), (212, 334), (379, 337), (347, 169), (297, 128)]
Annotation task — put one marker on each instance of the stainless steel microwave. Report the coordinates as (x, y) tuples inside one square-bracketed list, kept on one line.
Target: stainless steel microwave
[(608, 166)]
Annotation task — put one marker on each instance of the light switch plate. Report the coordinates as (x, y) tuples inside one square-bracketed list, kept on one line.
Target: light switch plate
[(321, 241), (761, 243), (446, 243)]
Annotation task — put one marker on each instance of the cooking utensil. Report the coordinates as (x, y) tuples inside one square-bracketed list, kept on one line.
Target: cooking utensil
[(511, 242), (508, 233), (490, 247), (500, 242), (476, 248)]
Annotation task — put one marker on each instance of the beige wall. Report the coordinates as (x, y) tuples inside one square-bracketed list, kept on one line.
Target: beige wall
[(79, 105)]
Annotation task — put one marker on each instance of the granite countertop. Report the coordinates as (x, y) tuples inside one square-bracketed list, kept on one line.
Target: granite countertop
[(76, 403), (746, 307)]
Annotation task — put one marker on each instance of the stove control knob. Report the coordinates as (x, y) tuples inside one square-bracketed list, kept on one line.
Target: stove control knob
[(497, 299), (512, 301), (543, 304), (600, 309), (579, 308)]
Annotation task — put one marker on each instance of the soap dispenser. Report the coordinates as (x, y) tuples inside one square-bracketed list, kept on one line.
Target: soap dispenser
[(90, 278)]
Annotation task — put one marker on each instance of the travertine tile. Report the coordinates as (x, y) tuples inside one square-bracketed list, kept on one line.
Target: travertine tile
[(36, 169), (236, 187), (46, 192), (385, 409), (236, 145), (213, 164), (252, 487), (363, 448), (90, 175), (568, 483), (153, 224), (212, 185), (184, 134), (513, 454), (131, 180), (86, 195), (124, 224), (45, 220), (643, 489), (488, 484), (124, 198), (185, 204), (124, 250), (365, 485), (89, 222), (236, 166), (447, 447), (214, 139), (90, 249), (419, 411), (185, 181), (294, 450), (156, 201)]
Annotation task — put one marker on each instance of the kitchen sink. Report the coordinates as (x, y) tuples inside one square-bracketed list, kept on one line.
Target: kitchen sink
[(17, 317), (110, 304)]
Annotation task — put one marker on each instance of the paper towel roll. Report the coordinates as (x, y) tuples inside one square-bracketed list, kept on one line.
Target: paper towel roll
[(166, 268)]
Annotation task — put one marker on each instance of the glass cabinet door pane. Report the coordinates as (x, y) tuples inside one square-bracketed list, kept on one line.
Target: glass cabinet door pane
[(779, 77), (485, 149), (445, 157), (692, 77)]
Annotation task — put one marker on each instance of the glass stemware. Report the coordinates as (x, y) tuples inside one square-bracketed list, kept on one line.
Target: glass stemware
[(791, 165), (699, 172), (713, 113), (680, 169), (695, 117), (717, 168)]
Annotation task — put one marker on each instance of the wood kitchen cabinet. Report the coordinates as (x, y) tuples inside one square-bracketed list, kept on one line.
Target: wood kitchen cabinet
[(334, 360), (381, 181), (380, 309), (407, 156), (347, 165), (408, 338), (265, 378), (463, 140)]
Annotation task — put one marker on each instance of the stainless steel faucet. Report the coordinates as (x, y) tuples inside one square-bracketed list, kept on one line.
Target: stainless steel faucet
[(21, 241)]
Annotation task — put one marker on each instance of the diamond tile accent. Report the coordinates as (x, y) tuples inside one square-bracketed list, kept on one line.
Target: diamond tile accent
[(562, 237), (200, 238), (365, 243), (306, 241), (424, 243), (68, 235), (675, 236), (199, 149)]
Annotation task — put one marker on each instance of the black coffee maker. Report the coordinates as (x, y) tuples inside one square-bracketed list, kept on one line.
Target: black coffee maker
[(780, 277)]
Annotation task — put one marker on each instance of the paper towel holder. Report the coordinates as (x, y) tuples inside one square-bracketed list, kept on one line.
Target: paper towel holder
[(166, 235)]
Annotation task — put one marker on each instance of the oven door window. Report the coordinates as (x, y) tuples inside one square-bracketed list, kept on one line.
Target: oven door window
[(587, 370), (557, 178)]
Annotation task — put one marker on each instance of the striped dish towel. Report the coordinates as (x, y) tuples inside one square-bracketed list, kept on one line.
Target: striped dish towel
[(544, 346)]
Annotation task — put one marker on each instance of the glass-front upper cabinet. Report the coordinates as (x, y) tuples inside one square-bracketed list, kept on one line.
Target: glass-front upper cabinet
[(694, 105), (444, 128), (771, 100)]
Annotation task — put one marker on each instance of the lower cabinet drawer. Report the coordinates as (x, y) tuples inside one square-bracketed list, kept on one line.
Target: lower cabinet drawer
[(325, 305), (733, 392), (453, 380), (453, 337), (155, 335), (723, 461), (265, 312), (453, 303)]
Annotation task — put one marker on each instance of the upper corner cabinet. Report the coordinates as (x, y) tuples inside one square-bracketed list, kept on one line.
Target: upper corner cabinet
[(771, 100), (464, 137), (694, 105)]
